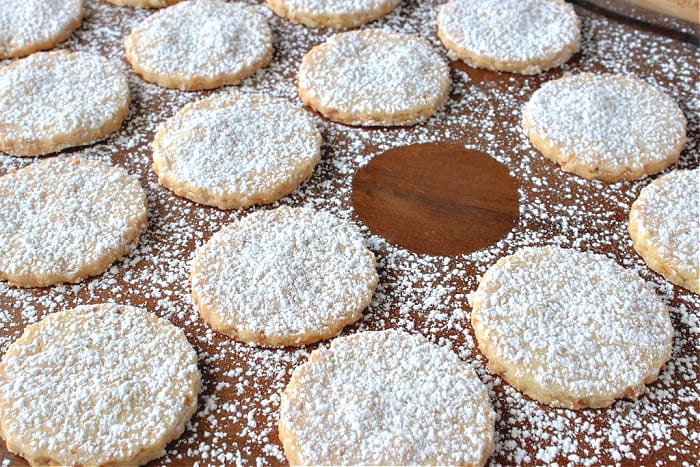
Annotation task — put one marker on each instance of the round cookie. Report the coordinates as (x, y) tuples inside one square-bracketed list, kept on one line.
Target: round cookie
[(236, 150), (64, 219), (520, 36), (27, 26), (97, 385), (338, 14), (289, 276), (570, 329), (200, 44), (665, 227), (606, 127), (386, 398), (55, 100), (374, 78), (144, 3)]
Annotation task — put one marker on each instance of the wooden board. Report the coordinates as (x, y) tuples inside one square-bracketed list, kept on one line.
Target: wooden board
[(426, 294)]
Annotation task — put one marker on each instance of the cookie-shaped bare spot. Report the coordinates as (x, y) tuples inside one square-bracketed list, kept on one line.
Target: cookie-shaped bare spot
[(606, 127), (386, 398), (338, 14), (374, 78), (200, 44), (665, 227), (97, 385), (570, 329), (65, 219), (521, 36), (288, 276), (27, 26), (54, 100), (236, 150)]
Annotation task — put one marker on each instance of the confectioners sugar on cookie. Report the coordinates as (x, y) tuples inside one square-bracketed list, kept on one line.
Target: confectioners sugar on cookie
[(27, 26), (338, 14), (200, 44), (570, 329), (288, 276), (54, 100), (97, 385), (665, 227), (374, 77), (64, 219), (236, 150), (521, 36), (607, 127), (144, 3), (386, 398)]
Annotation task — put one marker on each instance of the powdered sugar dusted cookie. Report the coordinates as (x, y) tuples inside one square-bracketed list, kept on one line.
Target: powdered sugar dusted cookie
[(236, 150), (374, 78), (27, 26), (665, 227), (97, 385), (200, 44), (65, 219), (288, 276), (521, 36), (54, 100), (570, 329), (144, 3), (606, 127), (338, 14), (386, 398)]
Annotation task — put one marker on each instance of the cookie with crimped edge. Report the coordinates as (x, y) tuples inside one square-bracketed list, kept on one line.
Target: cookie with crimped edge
[(288, 276), (519, 36), (64, 219), (374, 77), (96, 385), (55, 100), (664, 224), (386, 398), (200, 44), (236, 150), (144, 3), (27, 26), (337, 14), (605, 127), (570, 329)]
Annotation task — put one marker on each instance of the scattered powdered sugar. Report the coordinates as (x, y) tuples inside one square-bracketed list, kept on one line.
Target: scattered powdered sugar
[(613, 122), (60, 98), (28, 25), (511, 31), (237, 417), (237, 149), (97, 385), (375, 77), (284, 277), (386, 398)]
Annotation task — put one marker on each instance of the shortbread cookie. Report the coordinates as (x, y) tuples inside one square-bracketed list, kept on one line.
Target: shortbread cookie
[(200, 44), (606, 127), (27, 26), (386, 398), (374, 78), (338, 14), (520, 36), (66, 219), (236, 150), (289, 276), (54, 100), (570, 329), (665, 227), (97, 385), (144, 3)]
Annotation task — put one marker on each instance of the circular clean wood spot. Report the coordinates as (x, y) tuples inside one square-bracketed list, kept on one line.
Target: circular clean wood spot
[(436, 199)]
